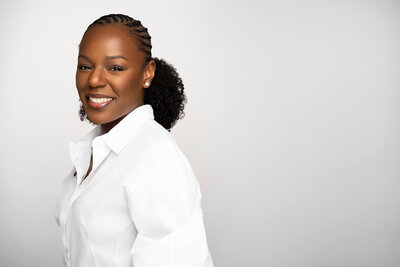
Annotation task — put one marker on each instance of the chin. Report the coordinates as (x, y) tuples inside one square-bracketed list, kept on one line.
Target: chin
[(98, 120), (91, 120)]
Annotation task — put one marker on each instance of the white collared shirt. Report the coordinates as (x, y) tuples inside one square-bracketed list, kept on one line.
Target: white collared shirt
[(140, 205)]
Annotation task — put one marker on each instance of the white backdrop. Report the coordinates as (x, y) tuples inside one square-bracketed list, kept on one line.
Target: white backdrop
[(292, 124)]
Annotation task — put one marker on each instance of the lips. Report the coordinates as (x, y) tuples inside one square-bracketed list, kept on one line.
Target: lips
[(98, 101)]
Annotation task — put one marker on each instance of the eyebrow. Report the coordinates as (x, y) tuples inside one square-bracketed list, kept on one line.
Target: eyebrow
[(117, 56), (109, 57)]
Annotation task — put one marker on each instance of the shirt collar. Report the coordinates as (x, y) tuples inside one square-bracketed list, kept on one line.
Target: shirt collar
[(121, 133), (115, 139), (80, 151)]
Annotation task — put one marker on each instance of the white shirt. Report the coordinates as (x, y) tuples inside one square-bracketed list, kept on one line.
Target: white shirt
[(140, 205)]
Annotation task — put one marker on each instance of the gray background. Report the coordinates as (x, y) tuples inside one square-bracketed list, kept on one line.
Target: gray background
[(292, 124)]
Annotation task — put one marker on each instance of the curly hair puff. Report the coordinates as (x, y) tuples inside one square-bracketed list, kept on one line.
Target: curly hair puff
[(166, 92)]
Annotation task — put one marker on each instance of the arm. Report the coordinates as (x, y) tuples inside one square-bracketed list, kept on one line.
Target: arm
[(165, 207)]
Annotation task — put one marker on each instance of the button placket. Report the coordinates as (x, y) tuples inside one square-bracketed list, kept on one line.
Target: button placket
[(66, 256), (78, 153)]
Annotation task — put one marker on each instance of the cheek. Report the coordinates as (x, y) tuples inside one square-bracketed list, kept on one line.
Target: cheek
[(79, 81), (129, 87)]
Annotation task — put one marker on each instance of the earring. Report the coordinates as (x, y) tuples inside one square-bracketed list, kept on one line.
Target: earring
[(82, 113), (146, 84)]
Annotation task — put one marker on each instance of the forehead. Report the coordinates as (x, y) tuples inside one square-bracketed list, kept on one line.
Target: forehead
[(107, 40)]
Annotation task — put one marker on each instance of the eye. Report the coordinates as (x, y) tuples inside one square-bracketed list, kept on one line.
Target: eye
[(115, 68), (83, 67)]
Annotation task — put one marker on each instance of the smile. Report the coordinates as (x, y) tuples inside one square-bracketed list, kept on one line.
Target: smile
[(99, 102)]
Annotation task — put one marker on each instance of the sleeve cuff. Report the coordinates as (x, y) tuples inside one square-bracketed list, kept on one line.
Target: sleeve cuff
[(184, 247)]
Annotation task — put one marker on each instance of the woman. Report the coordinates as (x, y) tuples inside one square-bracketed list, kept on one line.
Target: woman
[(131, 198)]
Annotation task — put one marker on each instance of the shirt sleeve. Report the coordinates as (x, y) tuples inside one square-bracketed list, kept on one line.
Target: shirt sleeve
[(165, 206)]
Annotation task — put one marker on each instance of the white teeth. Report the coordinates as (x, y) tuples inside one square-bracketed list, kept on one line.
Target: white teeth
[(99, 100)]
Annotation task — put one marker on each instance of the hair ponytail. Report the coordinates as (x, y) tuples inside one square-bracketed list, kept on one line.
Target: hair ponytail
[(166, 94)]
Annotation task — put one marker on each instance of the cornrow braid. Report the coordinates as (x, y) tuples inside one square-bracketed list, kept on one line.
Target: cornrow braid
[(135, 27), (166, 92)]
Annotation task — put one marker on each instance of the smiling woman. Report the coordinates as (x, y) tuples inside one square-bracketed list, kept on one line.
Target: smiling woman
[(131, 198), (111, 75)]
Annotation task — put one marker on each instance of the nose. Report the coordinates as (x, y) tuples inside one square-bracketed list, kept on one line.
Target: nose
[(96, 78)]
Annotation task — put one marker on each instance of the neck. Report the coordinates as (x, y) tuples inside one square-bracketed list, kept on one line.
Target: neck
[(108, 126)]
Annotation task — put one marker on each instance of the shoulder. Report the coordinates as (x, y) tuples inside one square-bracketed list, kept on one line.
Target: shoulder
[(155, 141), (157, 159)]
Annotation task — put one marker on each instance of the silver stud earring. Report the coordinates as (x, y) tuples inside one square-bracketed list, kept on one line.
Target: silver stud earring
[(146, 84)]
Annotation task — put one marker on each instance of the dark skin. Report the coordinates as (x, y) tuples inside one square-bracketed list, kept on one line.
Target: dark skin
[(111, 66)]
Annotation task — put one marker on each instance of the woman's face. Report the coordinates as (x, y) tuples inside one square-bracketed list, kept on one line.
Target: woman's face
[(111, 75)]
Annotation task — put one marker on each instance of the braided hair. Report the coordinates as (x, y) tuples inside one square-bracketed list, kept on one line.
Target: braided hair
[(166, 92)]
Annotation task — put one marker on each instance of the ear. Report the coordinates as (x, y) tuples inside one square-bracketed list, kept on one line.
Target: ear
[(148, 73)]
